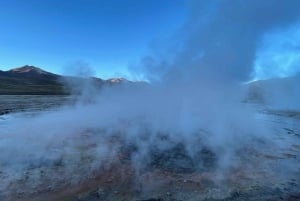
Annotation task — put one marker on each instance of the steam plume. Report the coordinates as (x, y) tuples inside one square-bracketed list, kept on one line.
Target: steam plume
[(193, 100)]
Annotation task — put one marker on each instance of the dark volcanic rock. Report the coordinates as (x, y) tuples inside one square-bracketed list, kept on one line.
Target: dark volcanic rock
[(173, 159), (5, 111), (177, 159)]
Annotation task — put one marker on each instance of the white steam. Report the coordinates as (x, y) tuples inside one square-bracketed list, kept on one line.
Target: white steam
[(197, 102)]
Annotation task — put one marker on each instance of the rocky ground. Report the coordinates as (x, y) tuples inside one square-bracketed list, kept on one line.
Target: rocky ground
[(265, 171)]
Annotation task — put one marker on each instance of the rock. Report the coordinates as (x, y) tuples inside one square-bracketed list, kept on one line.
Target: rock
[(4, 112), (174, 159), (100, 192)]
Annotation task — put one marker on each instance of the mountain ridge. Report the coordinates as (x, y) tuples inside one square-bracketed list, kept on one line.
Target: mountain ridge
[(32, 80)]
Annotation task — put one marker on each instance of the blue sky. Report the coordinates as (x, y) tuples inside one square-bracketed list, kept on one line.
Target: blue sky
[(107, 35), (279, 54), (111, 35)]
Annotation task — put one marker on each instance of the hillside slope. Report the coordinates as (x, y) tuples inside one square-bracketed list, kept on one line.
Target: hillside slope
[(278, 92), (31, 80)]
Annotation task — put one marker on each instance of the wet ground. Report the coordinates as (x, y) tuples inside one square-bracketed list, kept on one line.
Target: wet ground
[(265, 170), (30, 103)]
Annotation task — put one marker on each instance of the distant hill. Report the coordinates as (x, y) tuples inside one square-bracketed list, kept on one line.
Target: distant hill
[(281, 92), (31, 80)]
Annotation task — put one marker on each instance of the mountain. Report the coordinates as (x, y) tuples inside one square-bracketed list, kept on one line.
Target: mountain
[(32, 72), (276, 91), (31, 80)]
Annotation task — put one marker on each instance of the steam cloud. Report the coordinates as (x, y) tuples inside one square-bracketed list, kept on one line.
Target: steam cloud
[(194, 98)]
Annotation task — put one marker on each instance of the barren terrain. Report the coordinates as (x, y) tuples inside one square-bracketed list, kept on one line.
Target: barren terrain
[(263, 170)]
